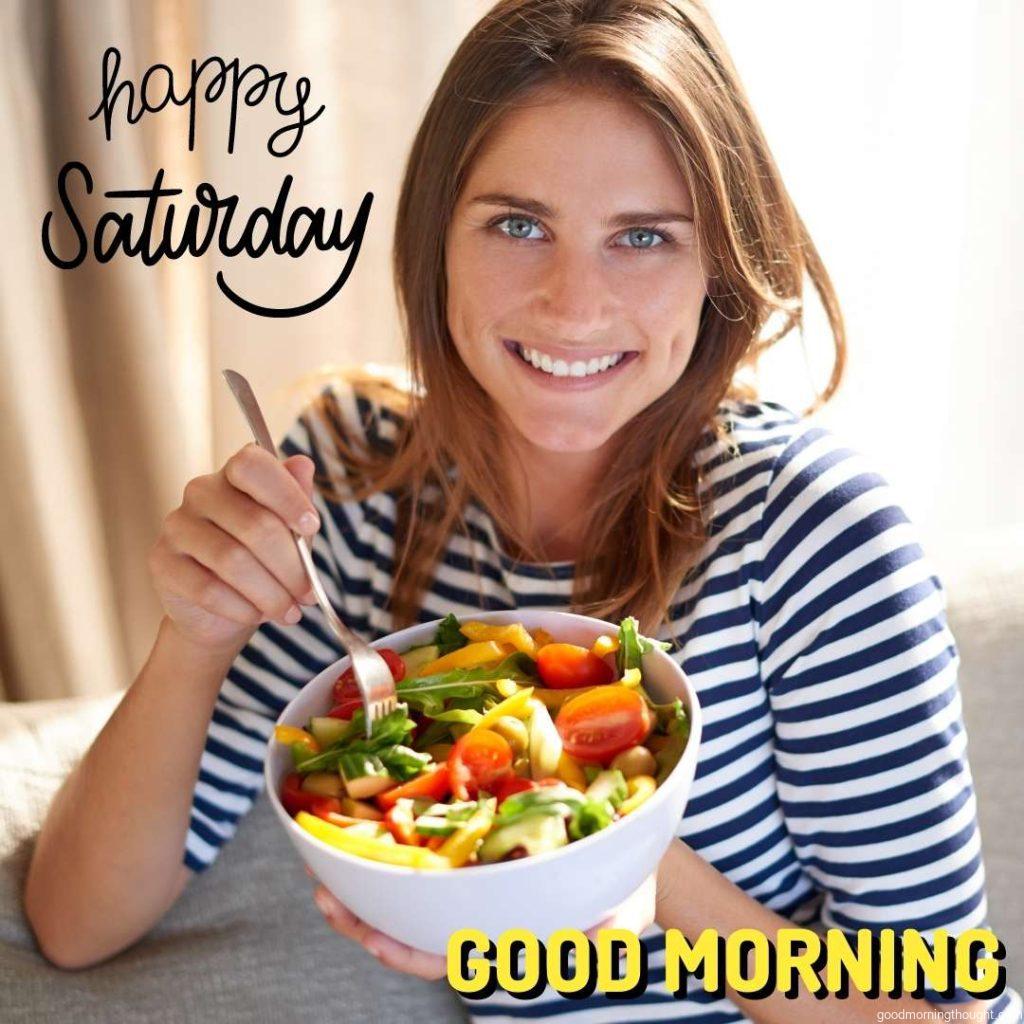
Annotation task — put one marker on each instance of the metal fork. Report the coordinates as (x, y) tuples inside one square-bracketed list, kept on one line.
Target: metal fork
[(376, 685)]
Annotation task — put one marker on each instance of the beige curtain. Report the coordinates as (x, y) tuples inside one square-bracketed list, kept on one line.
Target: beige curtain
[(110, 396)]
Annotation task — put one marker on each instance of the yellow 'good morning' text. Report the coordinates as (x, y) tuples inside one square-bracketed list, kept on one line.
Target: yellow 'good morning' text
[(746, 961)]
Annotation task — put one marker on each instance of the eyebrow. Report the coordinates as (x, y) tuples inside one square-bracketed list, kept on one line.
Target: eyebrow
[(535, 206)]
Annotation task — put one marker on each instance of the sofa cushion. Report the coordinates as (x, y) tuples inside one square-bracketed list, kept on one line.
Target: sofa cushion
[(244, 943)]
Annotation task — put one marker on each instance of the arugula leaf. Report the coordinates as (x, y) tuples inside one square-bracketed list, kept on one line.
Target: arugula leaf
[(466, 716), (385, 732), (428, 693), (633, 646), (449, 636)]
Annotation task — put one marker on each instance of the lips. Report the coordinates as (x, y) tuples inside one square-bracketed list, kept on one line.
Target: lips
[(569, 368)]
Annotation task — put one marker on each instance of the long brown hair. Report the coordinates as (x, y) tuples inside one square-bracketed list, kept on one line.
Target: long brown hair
[(648, 528)]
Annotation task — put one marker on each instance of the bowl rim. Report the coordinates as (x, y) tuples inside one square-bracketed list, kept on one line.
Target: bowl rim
[(520, 863)]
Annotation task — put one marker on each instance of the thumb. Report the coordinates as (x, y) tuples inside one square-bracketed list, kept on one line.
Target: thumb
[(303, 469)]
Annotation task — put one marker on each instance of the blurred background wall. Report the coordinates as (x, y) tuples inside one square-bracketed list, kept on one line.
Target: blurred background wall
[(893, 123)]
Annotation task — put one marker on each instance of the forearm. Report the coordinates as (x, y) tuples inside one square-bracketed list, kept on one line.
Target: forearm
[(693, 896), (108, 861)]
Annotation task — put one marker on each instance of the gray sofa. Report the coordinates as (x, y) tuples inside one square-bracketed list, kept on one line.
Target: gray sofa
[(245, 942)]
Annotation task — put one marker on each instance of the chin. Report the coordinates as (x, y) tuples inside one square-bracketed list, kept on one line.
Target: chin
[(565, 436)]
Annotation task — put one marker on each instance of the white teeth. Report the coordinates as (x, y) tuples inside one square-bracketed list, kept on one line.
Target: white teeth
[(561, 368)]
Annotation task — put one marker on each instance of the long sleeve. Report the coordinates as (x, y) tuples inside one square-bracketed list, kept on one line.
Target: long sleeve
[(861, 671)]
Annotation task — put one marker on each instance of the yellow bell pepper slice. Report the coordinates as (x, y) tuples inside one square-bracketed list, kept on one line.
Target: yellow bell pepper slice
[(640, 788), (541, 637), (462, 843), (605, 645), (371, 849), (570, 772), (469, 656), (293, 734), (517, 706), (631, 678), (507, 687), (554, 699), (514, 634)]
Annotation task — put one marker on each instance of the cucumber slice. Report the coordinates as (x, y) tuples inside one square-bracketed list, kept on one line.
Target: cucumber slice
[(328, 730), (416, 657), (324, 784)]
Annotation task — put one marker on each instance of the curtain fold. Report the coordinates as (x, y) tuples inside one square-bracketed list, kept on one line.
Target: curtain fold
[(110, 394)]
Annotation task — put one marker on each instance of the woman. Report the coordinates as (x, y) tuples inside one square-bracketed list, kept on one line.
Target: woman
[(591, 239)]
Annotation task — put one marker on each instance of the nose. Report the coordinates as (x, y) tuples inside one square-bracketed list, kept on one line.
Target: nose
[(575, 293)]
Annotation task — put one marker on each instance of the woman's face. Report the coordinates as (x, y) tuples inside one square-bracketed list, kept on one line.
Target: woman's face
[(574, 291)]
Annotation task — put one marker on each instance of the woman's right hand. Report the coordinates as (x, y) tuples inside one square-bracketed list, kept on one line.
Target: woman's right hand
[(225, 560)]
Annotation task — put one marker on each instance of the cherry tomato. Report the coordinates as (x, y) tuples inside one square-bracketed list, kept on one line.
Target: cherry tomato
[(346, 686), (346, 708), (512, 784), (479, 760), (566, 666), (597, 725)]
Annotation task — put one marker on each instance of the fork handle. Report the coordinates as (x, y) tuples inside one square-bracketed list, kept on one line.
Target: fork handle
[(243, 393)]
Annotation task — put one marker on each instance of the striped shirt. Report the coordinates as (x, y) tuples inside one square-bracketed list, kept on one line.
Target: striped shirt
[(832, 782)]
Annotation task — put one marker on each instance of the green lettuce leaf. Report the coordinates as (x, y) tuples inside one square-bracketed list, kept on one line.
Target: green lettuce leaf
[(633, 646)]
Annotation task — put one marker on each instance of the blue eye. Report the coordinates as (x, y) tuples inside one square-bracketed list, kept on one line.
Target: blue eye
[(520, 228), (651, 234), (529, 222)]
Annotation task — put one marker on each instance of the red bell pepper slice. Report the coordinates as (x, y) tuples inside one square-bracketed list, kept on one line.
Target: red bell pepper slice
[(399, 822), (433, 783), (295, 798)]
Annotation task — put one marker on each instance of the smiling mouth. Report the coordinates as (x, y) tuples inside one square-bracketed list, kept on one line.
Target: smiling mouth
[(577, 368)]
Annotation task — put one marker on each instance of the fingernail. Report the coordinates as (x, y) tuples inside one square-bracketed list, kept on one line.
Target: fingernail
[(323, 902), (292, 615), (309, 523)]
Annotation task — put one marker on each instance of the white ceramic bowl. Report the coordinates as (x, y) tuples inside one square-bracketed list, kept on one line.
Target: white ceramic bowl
[(575, 886)]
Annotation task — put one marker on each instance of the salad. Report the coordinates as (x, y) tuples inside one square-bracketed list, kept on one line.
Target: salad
[(506, 743)]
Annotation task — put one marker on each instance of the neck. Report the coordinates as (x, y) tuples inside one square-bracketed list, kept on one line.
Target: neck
[(550, 502)]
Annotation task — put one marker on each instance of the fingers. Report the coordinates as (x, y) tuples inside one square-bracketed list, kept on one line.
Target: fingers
[(185, 578), (268, 482), (233, 563), (400, 957), (392, 954), (303, 469), (264, 534)]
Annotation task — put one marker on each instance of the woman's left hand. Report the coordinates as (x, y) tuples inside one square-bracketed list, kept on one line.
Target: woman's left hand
[(387, 950)]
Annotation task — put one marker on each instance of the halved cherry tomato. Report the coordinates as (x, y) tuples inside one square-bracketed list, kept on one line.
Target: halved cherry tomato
[(598, 724), (512, 784), (479, 760), (433, 783), (346, 708), (346, 686), (567, 666)]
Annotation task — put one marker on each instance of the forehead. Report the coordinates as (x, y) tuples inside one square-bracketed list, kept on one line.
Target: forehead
[(580, 143)]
